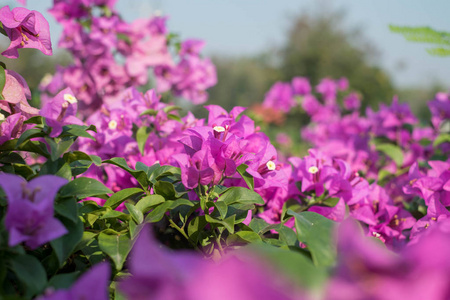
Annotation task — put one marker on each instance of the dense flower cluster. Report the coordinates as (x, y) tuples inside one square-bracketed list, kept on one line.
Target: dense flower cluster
[(111, 55)]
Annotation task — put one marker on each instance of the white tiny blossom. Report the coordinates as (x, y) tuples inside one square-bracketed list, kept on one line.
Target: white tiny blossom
[(69, 98), (112, 124), (219, 128), (271, 165), (2, 117), (313, 170)]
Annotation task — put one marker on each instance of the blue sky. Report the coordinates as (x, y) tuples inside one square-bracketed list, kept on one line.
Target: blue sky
[(245, 27)]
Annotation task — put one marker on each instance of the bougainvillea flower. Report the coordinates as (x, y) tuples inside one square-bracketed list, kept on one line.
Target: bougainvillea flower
[(12, 127), (60, 111), (15, 94), (91, 285), (25, 29), (280, 97), (29, 217)]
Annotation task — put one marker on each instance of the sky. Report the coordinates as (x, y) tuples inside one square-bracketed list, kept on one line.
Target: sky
[(247, 27)]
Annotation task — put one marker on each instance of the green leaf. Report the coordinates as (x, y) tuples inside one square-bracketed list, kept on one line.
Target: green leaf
[(392, 151), (116, 215), (248, 178), (2, 82), (257, 224), (30, 273), (140, 176), (158, 212), (72, 156), (148, 202), (142, 136), (67, 207), (241, 195), (222, 208), (135, 213), (29, 134), (116, 246), (63, 281), (150, 112), (242, 238), (83, 187), (195, 228), (57, 167), (316, 232), (58, 149), (442, 138), (117, 198), (331, 202), (170, 108), (291, 264), (65, 245), (12, 158), (38, 120), (165, 189), (78, 131), (228, 223)]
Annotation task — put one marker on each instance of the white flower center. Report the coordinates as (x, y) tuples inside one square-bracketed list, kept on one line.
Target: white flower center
[(69, 98), (313, 170), (47, 79), (271, 165), (219, 128), (112, 124), (2, 117)]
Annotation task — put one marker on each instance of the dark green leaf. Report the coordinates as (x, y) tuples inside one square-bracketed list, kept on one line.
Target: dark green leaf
[(116, 246), (63, 281), (30, 273), (29, 134), (83, 187), (240, 195), (117, 198), (228, 223), (195, 228), (65, 245), (243, 237)]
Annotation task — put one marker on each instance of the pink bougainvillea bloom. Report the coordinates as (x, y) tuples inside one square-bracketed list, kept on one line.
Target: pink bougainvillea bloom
[(60, 111), (25, 29), (15, 94), (91, 285), (29, 217), (12, 127)]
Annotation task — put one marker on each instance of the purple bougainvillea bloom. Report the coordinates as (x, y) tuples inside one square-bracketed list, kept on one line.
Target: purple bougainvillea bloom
[(29, 217), (60, 111), (280, 97), (25, 29), (91, 285)]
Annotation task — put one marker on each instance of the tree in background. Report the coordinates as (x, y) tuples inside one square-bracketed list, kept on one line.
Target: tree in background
[(317, 45)]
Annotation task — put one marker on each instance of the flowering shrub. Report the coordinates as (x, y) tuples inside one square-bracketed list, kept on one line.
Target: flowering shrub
[(109, 192)]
